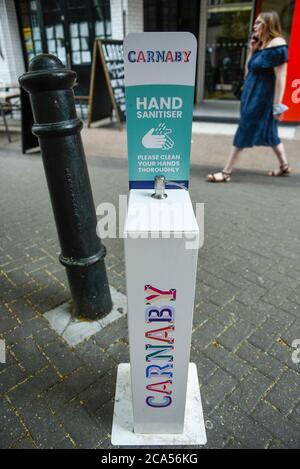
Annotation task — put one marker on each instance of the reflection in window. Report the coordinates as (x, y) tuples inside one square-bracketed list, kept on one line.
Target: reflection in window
[(228, 26)]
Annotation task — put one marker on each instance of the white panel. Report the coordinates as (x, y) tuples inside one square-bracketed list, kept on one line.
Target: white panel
[(163, 264), (180, 73)]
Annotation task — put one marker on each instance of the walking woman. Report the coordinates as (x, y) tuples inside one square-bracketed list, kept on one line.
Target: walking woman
[(261, 100)]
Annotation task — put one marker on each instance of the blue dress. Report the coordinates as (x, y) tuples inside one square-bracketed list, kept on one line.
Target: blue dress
[(257, 125)]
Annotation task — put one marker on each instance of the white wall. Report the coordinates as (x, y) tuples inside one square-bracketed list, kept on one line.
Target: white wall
[(134, 21), (135, 18), (116, 11), (12, 65)]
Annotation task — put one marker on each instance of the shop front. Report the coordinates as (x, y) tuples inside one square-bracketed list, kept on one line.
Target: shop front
[(68, 29)]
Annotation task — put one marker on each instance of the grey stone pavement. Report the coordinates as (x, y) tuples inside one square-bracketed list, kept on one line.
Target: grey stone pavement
[(247, 312)]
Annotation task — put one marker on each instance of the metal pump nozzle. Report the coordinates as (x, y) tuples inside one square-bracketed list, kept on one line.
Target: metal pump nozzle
[(159, 187)]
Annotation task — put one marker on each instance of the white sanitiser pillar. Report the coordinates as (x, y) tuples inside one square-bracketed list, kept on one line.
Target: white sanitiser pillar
[(161, 240), (157, 395)]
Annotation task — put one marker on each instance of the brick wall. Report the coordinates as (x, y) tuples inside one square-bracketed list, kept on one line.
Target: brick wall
[(11, 64)]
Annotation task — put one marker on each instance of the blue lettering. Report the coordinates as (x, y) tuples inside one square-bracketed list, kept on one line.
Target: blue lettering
[(130, 54), (158, 351), (178, 56), (156, 370), (160, 56), (150, 56), (167, 400), (160, 314)]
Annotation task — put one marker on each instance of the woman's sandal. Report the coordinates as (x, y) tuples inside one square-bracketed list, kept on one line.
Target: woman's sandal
[(225, 177), (284, 170)]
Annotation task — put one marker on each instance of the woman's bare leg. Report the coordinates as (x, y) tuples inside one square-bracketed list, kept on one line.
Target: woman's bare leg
[(279, 151), (232, 159)]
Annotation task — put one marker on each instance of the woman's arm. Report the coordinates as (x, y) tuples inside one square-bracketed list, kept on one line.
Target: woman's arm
[(252, 48), (280, 81), (247, 61)]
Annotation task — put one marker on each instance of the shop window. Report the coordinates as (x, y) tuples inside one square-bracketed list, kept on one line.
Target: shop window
[(101, 18), (171, 15), (67, 29), (79, 32), (228, 30), (30, 28), (54, 29)]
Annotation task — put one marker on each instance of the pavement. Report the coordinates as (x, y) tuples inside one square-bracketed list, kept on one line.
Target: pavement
[(247, 305)]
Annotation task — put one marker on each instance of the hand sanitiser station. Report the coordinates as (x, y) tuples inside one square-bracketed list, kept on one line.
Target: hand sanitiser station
[(157, 398)]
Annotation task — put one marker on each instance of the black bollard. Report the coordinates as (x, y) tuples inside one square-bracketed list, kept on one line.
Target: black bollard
[(57, 127)]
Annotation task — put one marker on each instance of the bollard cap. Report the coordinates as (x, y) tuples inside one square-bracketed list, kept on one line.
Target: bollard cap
[(46, 72), (45, 62)]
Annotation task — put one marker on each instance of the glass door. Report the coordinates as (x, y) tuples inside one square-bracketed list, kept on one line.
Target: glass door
[(228, 29)]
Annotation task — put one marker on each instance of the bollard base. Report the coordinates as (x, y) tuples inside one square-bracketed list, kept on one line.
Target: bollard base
[(122, 429)]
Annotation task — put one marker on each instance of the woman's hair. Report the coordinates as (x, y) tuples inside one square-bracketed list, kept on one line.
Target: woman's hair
[(272, 21), (273, 27)]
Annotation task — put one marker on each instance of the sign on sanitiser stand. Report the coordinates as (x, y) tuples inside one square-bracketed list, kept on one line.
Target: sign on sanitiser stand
[(157, 395), (159, 86)]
